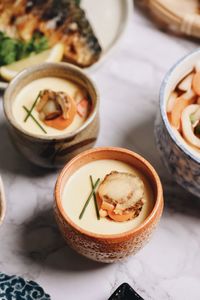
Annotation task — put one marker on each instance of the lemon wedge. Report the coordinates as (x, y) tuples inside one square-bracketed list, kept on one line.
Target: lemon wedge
[(54, 54)]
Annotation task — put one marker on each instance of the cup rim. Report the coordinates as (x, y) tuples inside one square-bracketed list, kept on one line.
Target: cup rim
[(14, 82), (162, 105), (158, 205), (2, 202)]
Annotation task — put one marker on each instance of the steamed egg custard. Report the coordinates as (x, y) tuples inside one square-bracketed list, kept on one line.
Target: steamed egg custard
[(107, 197), (51, 106)]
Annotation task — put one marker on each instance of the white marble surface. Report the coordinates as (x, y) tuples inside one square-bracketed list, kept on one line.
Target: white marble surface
[(30, 244)]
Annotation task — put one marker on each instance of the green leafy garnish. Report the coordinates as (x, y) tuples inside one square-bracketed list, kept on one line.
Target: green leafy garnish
[(37, 44), (34, 119), (88, 199), (12, 49), (8, 49)]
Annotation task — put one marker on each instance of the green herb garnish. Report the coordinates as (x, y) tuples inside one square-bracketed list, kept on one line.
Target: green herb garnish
[(12, 49), (88, 199), (32, 107), (95, 198), (34, 119), (37, 44)]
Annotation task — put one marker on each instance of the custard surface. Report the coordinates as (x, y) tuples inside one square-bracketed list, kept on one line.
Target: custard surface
[(27, 96), (78, 188)]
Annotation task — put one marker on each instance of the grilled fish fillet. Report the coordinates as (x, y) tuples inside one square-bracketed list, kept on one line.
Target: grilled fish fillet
[(58, 20)]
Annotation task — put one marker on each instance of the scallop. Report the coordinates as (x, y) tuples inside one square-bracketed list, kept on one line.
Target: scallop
[(53, 104), (122, 190)]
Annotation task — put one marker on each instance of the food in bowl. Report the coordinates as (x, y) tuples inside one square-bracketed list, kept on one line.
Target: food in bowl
[(51, 106), (32, 26), (107, 203), (183, 110), (180, 157), (51, 129), (123, 197)]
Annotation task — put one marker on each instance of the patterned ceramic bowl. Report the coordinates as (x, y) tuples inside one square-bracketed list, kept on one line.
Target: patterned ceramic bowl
[(180, 160), (52, 151), (2, 202), (15, 287), (101, 247)]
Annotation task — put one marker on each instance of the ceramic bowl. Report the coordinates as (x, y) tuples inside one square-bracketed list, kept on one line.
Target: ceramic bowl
[(15, 287), (2, 202), (101, 247), (52, 151), (180, 160)]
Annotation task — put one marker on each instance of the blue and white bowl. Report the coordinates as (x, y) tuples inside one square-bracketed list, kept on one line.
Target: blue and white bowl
[(17, 288), (180, 159)]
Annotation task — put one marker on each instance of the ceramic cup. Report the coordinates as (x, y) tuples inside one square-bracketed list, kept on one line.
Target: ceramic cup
[(2, 202), (182, 163), (52, 151), (101, 247)]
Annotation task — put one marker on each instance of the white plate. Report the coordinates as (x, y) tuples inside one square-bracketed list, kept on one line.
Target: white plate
[(109, 19), (2, 202)]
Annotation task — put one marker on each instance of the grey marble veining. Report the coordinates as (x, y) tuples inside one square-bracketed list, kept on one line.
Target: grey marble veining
[(30, 244)]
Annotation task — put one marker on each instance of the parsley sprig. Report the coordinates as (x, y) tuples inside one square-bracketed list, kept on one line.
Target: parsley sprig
[(12, 49)]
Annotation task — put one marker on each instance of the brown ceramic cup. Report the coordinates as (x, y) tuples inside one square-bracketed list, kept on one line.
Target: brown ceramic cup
[(101, 247), (52, 151)]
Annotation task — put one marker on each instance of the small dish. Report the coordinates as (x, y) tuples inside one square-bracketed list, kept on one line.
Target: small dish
[(15, 287), (180, 160), (125, 292), (108, 247), (2, 202), (54, 150)]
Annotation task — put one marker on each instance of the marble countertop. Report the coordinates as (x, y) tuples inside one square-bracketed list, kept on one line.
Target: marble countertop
[(30, 244)]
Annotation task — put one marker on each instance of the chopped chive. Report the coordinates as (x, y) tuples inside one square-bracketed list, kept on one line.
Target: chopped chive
[(34, 119), (88, 199), (95, 198), (32, 107)]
